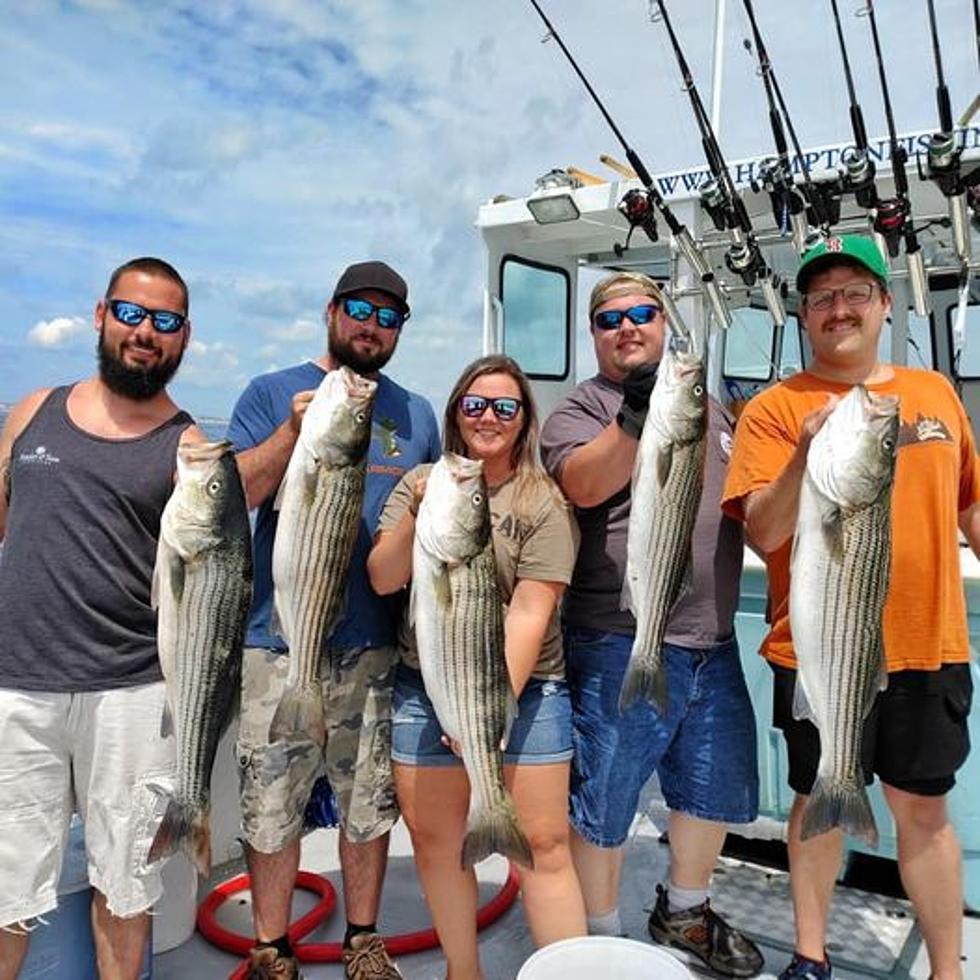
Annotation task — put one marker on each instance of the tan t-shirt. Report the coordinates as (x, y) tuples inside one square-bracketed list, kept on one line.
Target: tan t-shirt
[(541, 547)]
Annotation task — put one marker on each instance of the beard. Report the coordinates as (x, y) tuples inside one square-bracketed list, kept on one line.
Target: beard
[(138, 383), (344, 352)]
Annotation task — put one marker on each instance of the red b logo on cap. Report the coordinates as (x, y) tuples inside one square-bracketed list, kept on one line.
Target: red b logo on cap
[(834, 244)]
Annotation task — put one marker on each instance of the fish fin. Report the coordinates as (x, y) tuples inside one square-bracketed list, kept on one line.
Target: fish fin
[(300, 710), (802, 711), (441, 586), (495, 830), (166, 721), (645, 677), (833, 532), (844, 806), (168, 571), (186, 827), (276, 620), (511, 711), (665, 458), (626, 595), (280, 493)]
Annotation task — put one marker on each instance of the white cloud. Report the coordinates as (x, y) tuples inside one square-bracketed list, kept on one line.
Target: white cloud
[(56, 331), (301, 329)]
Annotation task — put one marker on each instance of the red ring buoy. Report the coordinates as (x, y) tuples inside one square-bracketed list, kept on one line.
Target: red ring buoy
[(399, 945)]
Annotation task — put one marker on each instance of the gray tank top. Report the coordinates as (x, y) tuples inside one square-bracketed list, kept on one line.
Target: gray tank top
[(78, 556)]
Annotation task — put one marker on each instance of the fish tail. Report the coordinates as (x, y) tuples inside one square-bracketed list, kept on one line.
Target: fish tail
[(496, 830), (187, 827), (843, 805), (300, 710), (645, 678)]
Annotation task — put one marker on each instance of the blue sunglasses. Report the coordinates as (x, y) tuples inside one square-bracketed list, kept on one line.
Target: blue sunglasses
[(613, 319), (132, 314), (362, 309)]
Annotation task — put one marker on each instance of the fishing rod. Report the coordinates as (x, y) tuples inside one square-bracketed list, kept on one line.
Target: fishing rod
[(893, 216), (859, 168), (943, 164), (720, 199), (638, 207), (816, 207)]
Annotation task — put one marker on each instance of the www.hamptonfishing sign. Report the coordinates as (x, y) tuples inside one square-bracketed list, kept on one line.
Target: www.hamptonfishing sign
[(682, 183)]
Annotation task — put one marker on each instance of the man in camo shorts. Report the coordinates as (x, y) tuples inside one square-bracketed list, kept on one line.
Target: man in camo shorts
[(363, 320)]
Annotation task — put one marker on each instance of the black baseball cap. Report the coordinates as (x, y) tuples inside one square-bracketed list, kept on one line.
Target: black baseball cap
[(372, 275)]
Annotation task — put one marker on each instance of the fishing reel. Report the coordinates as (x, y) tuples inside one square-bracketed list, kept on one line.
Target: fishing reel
[(859, 176), (891, 217), (745, 259), (715, 202), (942, 167), (638, 210), (788, 205)]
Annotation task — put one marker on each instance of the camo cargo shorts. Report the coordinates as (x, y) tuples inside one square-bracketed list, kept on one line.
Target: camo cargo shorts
[(276, 779)]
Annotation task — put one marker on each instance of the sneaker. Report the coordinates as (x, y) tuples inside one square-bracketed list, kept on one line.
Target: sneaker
[(801, 968), (704, 933), (265, 963), (367, 959)]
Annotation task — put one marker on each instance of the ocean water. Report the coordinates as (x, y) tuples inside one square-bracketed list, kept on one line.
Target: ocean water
[(215, 429)]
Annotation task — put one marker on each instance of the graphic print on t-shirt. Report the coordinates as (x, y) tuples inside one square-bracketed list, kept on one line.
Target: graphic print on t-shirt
[(924, 429)]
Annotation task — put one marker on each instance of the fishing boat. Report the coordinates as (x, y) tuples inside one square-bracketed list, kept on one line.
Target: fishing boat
[(543, 253)]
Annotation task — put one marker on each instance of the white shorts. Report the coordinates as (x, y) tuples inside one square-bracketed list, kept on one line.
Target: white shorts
[(99, 753)]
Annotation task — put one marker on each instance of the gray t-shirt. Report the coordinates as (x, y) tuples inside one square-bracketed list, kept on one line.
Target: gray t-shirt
[(703, 616)]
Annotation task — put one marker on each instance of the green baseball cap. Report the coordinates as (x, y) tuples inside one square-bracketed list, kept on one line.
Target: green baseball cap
[(832, 251)]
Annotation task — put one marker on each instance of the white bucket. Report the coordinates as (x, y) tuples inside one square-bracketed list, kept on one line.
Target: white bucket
[(588, 957), (174, 915)]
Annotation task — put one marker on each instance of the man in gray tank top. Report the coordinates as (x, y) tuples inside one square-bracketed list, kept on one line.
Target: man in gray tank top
[(703, 746), (85, 471)]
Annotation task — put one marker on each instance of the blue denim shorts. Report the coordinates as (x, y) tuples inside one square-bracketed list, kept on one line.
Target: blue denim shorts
[(704, 751), (541, 734)]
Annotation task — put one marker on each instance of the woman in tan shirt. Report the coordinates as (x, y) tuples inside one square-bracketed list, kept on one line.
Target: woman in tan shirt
[(491, 416)]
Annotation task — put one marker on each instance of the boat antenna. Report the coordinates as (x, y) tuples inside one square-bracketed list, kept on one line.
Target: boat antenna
[(822, 207), (943, 164), (893, 216), (637, 206), (719, 197)]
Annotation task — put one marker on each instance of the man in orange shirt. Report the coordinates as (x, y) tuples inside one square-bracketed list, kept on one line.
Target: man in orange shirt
[(916, 735)]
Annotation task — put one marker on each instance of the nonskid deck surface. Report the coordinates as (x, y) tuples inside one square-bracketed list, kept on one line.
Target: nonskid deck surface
[(870, 935)]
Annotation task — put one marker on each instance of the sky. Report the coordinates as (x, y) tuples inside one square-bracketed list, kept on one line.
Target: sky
[(262, 145)]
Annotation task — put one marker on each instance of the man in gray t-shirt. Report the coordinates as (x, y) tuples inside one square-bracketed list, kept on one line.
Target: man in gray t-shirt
[(703, 746)]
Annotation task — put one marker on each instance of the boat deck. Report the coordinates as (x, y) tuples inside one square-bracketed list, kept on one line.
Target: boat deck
[(871, 934)]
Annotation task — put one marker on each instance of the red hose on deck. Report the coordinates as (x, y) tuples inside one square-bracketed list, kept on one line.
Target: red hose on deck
[(400, 945)]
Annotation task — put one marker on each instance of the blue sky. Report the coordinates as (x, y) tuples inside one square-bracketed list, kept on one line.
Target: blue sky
[(261, 145)]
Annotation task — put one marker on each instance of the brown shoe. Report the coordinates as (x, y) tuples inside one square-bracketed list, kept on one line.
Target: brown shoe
[(367, 959), (265, 963)]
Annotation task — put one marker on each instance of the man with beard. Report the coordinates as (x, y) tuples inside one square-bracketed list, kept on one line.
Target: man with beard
[(363, 319), (85, 472)]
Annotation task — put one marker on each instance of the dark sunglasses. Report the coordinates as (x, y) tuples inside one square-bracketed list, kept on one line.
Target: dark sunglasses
[(613, 319), (132, 314), (473, 406), (362, 309)]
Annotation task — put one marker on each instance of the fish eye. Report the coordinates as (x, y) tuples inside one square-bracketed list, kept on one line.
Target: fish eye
[(477, 499), (698, 390), (360, 417), (888, 442), (214, 487)]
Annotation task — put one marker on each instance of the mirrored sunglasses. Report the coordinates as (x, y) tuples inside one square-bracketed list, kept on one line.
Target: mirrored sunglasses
[(613, 319), (362, 309), (473, 406), (132, 314)]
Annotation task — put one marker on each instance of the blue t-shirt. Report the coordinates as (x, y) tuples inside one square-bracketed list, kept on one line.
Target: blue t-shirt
[(405, 433)]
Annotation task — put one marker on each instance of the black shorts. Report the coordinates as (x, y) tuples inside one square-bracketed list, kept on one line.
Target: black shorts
[(915, 737)]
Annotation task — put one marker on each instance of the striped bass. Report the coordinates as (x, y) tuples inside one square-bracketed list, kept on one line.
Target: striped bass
[(202, 588), (664, 498), (459, 629), (838, 583), (319, 504)]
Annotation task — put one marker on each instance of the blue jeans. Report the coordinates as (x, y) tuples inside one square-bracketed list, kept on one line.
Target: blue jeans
[(704, 750), (541, 733)]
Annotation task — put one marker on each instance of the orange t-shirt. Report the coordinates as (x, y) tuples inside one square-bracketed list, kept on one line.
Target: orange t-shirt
[(937, 476)]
